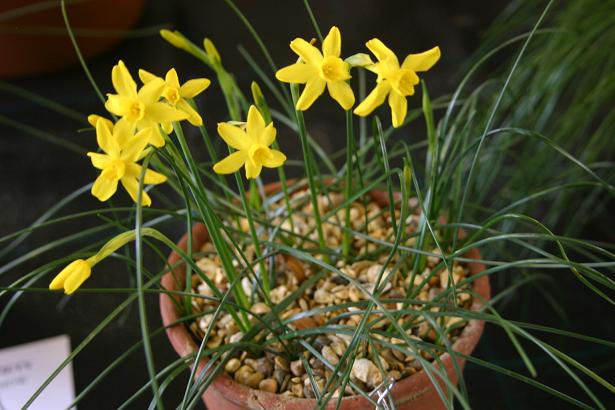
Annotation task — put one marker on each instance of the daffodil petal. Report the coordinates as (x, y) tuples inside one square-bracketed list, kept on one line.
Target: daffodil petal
[(299, 73), (422, 61), (94, 118), (123, 130), (382, 52), (342, 93), (118, 104), (150, 178), (60, 278), (373, 100), (104, 187), (359, 60), (313, 89), (194, 117), (231, 163), (122, 80), (77, 277), (161, 112), (167, 127), (268, 135), (106, 140), (253, 170), (275, 160), (153, 178), (99, 161), (234, 136), (171, 79), (131, 185), (255, 125), (78, 269), (399, 108), (332, 44), (146, 76), (150, 92), (156, 137), (136, 144), (194, 87), (306, 51)]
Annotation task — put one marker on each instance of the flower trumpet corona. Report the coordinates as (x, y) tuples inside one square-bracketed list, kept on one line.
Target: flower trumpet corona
[(319, 70), (176, 94), (394, 80), (118, 162), (252, 146), (140, 109)]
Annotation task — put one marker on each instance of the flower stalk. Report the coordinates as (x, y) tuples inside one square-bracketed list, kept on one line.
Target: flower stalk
[(307, 158)]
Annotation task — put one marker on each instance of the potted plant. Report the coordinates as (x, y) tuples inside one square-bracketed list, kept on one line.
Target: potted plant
[(357, 284)]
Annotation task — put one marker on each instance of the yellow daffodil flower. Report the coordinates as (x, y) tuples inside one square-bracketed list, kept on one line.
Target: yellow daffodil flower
[(72, 276), (317, 70), (394, 80), (140, 110), (252, 145), (118, 163), (176, 94)]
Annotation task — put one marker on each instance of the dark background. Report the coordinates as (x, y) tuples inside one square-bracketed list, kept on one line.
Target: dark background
[(35, 175)]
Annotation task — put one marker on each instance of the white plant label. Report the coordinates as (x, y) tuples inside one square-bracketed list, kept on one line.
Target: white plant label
[(25, 367)]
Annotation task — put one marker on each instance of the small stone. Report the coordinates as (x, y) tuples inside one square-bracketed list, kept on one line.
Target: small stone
[(260, 308), (306, 322), (296, 390), (254, 380), (329, 355), (321, 341), (296, 368), (338, 347), (236, 337), (214, 341), (303, 305), (264, 366), (434, 260), (242, 374), (372, 273), (279, 375), (268, 385), (232, 365), (323, 296), (367, 372), (278, 294), (281, 363), (394, 374), (339, 280), (354, 294)]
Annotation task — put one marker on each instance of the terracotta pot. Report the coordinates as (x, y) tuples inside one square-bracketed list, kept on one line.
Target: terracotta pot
[(415, 392), (33, 39)]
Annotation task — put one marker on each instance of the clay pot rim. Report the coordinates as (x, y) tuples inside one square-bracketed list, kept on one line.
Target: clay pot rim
[(184, 344)]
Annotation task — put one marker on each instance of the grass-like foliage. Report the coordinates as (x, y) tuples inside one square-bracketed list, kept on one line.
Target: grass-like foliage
[(516, 163)]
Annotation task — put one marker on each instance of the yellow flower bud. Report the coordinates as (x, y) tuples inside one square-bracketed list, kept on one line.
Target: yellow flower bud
[(175, 38), (72, 276), (211, 50)]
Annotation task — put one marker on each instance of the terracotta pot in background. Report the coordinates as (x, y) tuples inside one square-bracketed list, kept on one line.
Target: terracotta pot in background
[(415, 392), (33, 37)]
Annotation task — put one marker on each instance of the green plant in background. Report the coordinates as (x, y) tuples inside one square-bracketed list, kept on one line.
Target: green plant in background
[(497, 148)]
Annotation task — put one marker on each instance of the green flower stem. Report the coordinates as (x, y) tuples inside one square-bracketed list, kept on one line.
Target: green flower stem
[(307, 158), (145, 334), (213, 227), (263, 107), (214, 158), (257, 246), (348, 188)]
